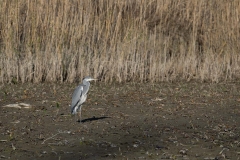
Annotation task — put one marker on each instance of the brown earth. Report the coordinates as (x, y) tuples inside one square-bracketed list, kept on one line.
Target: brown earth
[(131, 121)]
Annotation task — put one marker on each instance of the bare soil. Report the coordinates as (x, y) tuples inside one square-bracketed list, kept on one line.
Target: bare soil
[(131, 121)]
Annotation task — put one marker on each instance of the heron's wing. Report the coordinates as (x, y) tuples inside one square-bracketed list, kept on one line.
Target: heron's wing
[(76, 96)]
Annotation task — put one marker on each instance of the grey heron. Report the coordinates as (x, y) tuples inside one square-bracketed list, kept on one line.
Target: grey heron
[(80, 95)]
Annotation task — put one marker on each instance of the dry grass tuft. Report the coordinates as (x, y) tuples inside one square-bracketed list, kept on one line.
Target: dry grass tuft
[(114, 40)]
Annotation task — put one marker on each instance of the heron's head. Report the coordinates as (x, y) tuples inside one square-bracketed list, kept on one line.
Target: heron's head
[(89, 78)]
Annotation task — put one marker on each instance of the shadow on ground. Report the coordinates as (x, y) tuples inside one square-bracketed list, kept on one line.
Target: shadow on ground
[(93, 119)]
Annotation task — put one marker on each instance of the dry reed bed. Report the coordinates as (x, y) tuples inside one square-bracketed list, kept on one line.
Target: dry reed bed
[(115, 40)]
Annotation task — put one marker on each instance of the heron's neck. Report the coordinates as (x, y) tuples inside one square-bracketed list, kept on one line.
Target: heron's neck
[(86, 82)]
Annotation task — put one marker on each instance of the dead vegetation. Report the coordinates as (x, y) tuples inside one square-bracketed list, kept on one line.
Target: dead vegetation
[(157, 40)]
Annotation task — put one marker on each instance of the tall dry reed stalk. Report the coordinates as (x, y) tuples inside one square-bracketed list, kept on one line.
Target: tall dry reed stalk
[(115, 40)]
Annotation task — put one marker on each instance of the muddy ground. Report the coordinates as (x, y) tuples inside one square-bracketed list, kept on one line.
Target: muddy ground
[(131, 121)]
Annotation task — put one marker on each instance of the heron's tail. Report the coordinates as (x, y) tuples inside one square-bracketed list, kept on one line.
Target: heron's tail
[(75, 109)]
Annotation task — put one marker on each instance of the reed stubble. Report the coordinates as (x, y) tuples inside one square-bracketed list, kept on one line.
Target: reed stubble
[(119, 41)]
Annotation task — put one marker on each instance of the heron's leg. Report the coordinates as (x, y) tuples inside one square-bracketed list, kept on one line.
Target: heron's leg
[(79, 113), (76, 118)]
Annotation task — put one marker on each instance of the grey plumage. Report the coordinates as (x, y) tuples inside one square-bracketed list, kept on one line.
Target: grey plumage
[(80, 95)]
